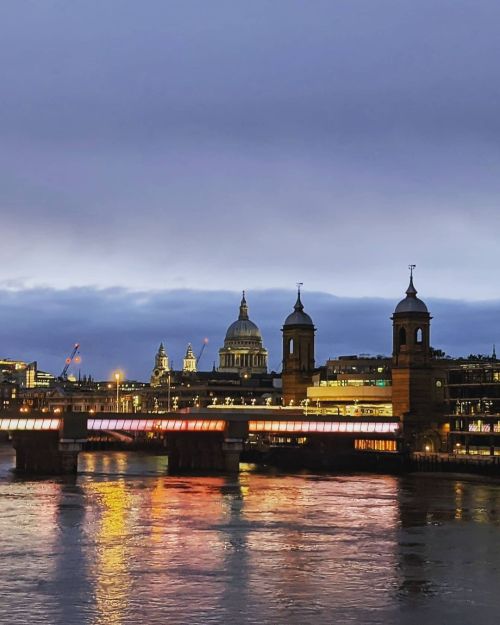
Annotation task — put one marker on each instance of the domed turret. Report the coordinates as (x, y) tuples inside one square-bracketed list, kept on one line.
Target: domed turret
[(298, 317), (411, 328), (243, 351), (411, 303)]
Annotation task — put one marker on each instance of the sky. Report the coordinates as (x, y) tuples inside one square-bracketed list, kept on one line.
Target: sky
[(177, 152)]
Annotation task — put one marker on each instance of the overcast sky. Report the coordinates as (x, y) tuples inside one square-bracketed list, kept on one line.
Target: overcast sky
[(229, 144)]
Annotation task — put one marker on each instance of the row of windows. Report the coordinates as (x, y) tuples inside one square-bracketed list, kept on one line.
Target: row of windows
[(375, 445)]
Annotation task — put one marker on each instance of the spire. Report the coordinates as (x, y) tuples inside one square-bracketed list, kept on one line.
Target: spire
[(243, 308), (298, 304), (161, 349), (411, 291), (494, 355)]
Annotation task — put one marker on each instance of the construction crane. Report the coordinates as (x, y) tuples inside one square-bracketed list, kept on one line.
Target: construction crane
[(73, 357), (205, 343)]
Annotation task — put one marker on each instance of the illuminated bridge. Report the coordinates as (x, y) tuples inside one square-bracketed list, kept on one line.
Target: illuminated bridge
[(195, 440)]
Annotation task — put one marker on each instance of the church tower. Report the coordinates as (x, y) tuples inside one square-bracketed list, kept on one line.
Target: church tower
[(412, 375), (298, 354), (189, 362), (161, 367)]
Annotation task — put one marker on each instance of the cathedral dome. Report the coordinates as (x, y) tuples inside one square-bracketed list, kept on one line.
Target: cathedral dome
[(298, 317), (243, 328), (243, 351), (411, 303)]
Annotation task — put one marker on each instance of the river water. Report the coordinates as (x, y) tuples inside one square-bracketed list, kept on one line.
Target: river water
[(125, 544)]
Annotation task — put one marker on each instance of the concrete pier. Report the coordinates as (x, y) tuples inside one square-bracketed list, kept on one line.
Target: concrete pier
[(40, 453), (52, 452)]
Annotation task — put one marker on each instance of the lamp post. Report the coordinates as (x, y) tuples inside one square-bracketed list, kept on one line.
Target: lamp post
[(168, 392), (117, 378)]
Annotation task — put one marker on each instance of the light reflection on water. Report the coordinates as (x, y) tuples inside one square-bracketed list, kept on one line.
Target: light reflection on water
[(123, 543)]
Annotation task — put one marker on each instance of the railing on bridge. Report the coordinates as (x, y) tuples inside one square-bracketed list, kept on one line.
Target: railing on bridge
[(29, 424), (326, 427), (158, 425), (353, 426)]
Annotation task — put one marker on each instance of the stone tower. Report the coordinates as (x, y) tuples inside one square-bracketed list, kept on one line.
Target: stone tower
[(298, 354), (161, 367), (189, 362), (412, 393)]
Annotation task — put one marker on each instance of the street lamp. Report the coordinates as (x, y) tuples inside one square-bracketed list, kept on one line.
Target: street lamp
[(168, 391), (117, 378)]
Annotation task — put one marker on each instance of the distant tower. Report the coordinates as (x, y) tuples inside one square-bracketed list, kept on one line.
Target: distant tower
[(161, 366), (412, 393), (298, 353), (189, 362), (243, 351)]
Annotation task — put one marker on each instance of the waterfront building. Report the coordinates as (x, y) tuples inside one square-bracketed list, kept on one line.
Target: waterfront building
[(353, 386), (473, 407), (243, 351), (25, 374)]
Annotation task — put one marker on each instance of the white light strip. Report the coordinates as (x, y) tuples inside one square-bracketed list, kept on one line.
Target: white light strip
[(157, 425), (326, 427), (10, 425)]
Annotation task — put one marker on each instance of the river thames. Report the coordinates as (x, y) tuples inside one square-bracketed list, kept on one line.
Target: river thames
[(124, 543)]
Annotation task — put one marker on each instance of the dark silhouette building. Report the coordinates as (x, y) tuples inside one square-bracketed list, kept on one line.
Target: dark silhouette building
[(298, 354)]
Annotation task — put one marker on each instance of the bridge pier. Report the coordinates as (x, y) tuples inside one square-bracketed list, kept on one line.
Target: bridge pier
[(188, 451), (53, 452), (207, 451), (41, 453), (231, 450)]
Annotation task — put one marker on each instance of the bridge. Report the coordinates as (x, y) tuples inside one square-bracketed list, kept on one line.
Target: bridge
[(197, 439)]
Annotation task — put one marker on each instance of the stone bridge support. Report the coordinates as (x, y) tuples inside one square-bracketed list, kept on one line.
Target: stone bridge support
[(207, 451), (51, 452)]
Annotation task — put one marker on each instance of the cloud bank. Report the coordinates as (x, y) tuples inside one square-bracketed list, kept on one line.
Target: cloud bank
[(122, 329)]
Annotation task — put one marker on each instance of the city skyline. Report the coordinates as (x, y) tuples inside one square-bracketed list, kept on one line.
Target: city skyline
[(122, 330)]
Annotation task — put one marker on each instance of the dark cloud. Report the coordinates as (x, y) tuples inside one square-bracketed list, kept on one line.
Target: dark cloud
[(117, 328)]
